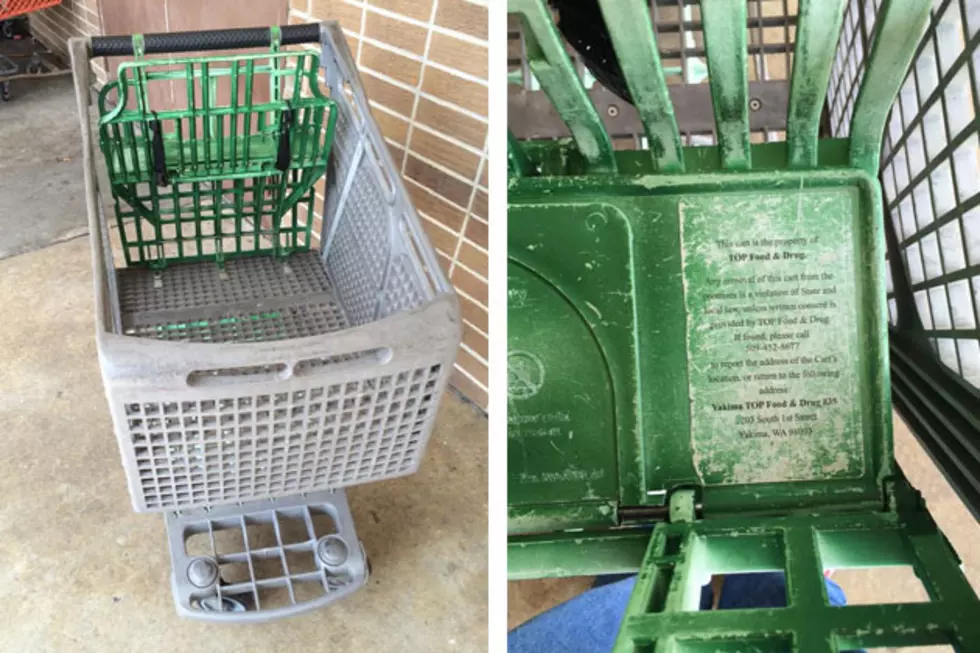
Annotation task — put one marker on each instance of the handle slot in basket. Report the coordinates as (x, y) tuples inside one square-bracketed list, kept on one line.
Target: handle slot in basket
[(244, 374), (311, 366)]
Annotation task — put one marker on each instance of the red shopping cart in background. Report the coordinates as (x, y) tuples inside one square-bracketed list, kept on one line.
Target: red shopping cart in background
[(14, 8), (10, 48)]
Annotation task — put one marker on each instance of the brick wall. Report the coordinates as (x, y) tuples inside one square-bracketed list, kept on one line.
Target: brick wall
[(54, 26), (424, 67)]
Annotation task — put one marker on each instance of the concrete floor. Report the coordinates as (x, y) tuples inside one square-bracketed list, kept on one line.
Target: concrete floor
[(529, 598), (79, 570), (40, 166)]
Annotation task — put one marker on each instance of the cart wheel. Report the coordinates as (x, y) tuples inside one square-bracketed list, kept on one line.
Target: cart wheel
[(227, 604), (34, 68), (7, 29), (5, 91)]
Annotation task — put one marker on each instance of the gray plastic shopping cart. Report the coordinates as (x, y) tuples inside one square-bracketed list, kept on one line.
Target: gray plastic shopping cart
[(255, 360)]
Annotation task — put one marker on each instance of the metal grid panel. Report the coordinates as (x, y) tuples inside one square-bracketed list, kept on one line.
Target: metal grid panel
[(771, 40), (930, 176), (857, 34), (680, 40), (190, 453)]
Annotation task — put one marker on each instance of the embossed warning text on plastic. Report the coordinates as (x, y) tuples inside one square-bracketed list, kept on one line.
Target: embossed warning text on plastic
[(772, 337)]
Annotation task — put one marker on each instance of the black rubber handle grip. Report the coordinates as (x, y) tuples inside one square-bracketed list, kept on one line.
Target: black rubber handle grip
[(213, 39)]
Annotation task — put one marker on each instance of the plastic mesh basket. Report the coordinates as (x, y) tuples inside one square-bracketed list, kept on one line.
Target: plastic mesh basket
[(227, 174), (285, 368)]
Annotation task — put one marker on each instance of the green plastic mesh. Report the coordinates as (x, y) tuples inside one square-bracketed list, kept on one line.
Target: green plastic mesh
[(216, 157)]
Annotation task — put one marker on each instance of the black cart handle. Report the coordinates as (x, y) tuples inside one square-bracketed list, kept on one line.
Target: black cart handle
[(211, 39)]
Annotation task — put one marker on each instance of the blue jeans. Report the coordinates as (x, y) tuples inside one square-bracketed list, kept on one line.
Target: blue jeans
[(589, 622)]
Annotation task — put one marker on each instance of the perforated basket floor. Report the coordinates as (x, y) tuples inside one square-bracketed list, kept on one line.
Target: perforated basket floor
[(250, 300)]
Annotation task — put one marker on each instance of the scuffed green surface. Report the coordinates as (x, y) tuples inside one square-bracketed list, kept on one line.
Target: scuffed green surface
[(559, 399), (662, 611), (900, 24), (725, 41), (618, 267), (558, 555), (573, 341), (772, 336), (548, 60), (636, 49), (817, 34), (791, 235)]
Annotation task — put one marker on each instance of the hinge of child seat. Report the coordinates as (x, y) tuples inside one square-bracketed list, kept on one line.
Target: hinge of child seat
[(682, 506)]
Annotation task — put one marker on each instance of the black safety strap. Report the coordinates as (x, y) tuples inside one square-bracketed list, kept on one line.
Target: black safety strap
[(285, 155), (159, 158)]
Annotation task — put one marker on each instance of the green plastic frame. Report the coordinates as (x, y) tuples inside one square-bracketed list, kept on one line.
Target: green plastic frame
[(224, 191), (625, 416), (663, 616)]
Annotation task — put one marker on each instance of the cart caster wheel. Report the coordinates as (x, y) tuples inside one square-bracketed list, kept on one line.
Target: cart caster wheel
[(226, 604), (5, 91), (35, 65)]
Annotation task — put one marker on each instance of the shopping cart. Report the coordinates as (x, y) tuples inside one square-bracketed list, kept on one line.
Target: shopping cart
[(251, 371), (13, 8), (728, 408), (7, 68), (10, 9)]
